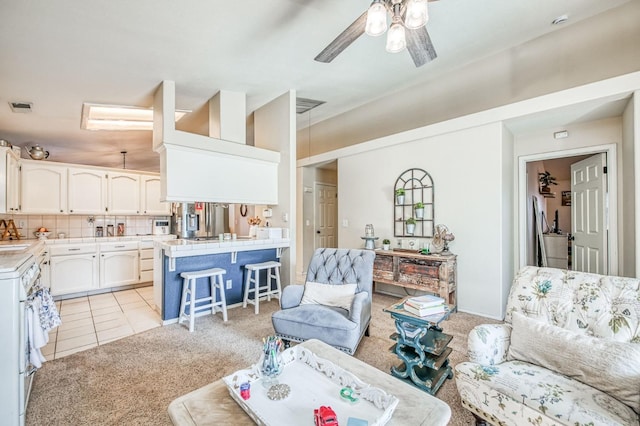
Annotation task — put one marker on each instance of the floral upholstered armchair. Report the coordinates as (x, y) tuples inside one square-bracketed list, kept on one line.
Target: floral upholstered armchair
[(567, 354)]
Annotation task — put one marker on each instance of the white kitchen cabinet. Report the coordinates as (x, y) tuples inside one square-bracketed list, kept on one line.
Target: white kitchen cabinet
[(13, 182), (87, 191), (43, 188), (119, 268), (124, 193), (73, 268), (146, 265), (150, 197)]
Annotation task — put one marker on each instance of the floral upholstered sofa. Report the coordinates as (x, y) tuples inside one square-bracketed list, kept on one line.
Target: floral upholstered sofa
[(567, 354)]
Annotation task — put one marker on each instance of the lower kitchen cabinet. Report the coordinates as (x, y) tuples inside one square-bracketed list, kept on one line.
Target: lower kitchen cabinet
[(119, 268), (146, 265), (71, 272), (75, 268)]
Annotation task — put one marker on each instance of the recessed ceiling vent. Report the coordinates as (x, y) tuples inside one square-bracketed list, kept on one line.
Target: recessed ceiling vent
[(21, 107), (303, 105)]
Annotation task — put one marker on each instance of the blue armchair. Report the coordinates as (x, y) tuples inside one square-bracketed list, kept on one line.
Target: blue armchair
[(333, 325)]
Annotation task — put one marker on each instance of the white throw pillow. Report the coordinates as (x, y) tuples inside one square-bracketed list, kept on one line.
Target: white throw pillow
[(610, 366), (340, 295)]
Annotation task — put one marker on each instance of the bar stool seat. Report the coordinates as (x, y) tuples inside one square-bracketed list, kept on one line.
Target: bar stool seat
[(190, 300), (266, 290)]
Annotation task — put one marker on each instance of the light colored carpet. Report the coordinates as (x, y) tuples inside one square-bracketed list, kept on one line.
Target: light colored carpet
[(132, 381)]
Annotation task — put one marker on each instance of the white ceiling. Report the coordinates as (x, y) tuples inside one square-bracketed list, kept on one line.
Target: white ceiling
[(61, 54)]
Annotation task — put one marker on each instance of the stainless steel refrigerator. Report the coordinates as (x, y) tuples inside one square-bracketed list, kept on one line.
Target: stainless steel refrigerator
[(199, 220)]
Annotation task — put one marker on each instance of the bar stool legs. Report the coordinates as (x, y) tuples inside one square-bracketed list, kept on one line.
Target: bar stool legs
[(189, 299), (253, 276)]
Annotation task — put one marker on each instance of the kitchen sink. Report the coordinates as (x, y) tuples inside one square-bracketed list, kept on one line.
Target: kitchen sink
[(13, 247)]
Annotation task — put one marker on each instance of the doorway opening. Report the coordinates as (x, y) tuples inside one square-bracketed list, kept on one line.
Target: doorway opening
[(553, 239), (319, 211)]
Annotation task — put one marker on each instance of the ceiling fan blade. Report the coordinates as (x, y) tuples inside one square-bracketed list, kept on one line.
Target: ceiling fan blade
[(348, 36), (419, 46)]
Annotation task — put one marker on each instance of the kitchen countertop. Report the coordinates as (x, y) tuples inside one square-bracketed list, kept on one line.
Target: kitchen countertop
[(184, 248), (108, 239), (11, 259)]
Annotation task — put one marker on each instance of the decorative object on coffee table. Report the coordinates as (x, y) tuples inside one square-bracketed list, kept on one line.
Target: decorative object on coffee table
[(271, 360), (422, 347), (308, 378), (213, 403)]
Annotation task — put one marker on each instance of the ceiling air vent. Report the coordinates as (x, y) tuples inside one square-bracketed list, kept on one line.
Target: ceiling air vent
[(21, 107), (303, 105)]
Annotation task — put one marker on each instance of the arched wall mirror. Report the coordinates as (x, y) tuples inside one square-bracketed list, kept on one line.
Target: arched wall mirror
[(413, 210)]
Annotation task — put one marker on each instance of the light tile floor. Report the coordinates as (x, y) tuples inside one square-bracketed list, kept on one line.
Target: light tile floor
[(90, 321)]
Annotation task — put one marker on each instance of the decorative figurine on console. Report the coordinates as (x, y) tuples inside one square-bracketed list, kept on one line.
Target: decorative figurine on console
[(441, 240)]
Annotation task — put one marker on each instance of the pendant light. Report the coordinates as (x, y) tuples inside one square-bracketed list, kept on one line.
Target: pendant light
[(396, 41), (417, 14), (376, 19)]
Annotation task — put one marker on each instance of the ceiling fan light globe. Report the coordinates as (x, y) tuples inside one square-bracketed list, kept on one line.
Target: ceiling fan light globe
[(417, 14), (376, 19), (396, 41)]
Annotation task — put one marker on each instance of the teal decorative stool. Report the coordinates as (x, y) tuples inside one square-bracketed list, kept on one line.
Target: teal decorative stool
[(422, 347)]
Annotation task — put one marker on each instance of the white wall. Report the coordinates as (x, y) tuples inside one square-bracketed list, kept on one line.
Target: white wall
[(472, 174), (630, 119), (275, 126), (507, 221), (306, 193)]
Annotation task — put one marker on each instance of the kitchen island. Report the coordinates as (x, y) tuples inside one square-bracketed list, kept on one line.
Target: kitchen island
[(171, 258)]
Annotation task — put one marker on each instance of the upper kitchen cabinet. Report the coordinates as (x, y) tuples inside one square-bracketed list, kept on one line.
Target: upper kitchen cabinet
[(13, 182), (87, 191), (150, 197), (124, 193), (43, 188)]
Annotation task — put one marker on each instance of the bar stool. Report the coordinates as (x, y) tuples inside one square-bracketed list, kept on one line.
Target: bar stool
[(189, 288), (273, 272)]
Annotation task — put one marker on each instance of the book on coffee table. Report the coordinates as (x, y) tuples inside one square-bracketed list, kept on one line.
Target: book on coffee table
[(424, 312), (425, 301)]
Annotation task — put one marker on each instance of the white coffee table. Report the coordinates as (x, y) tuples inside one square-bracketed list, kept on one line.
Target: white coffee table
[(212, 404)]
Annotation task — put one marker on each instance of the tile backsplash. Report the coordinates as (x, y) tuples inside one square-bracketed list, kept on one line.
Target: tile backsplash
[(80, 226)]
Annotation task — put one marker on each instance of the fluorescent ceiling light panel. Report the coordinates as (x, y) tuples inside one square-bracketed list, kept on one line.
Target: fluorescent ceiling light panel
[(119, 117)]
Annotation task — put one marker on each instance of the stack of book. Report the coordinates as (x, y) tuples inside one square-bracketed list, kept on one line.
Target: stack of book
[(426, 305)]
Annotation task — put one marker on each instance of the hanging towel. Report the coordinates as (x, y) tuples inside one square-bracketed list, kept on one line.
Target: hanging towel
[(49, 316), (37, 337)]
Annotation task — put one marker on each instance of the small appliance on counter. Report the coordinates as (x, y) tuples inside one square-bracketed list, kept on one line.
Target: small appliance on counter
[(160, 227), (267, 233)]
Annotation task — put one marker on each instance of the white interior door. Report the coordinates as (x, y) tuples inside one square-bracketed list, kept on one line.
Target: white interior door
[(326, 215), (588, 215)]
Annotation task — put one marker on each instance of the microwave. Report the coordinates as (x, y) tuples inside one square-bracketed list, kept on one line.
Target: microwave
[(160, 226)]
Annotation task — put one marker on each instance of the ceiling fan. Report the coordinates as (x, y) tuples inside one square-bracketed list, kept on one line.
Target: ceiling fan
[(407, 30)]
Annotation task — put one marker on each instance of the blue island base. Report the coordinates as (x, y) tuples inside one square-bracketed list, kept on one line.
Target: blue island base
[(172, 282)]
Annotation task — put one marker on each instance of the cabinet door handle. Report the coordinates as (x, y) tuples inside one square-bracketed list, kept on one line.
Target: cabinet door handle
[(71, 211), (119, 246), (60, 210), (74, 249)]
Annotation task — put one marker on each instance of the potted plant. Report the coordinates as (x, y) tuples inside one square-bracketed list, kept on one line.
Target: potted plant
[(419, 208), (546, 180), (400, 196), (386, 244), (410, 224)]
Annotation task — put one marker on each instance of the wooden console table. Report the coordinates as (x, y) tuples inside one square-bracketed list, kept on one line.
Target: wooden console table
[(431, 273)]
